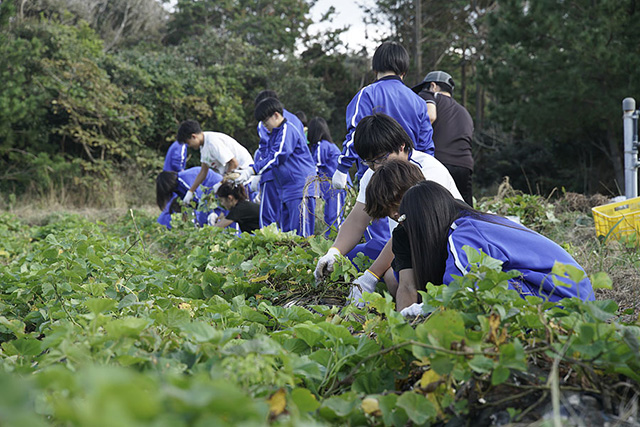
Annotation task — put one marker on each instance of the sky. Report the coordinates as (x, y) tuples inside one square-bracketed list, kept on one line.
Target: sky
[(349, 13)]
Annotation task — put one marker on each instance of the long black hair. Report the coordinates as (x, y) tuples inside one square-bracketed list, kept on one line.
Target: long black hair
[(429, 211), (166, 184), (318, 131)]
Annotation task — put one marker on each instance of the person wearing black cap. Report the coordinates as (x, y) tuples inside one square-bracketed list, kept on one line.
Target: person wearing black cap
[(452, 129)]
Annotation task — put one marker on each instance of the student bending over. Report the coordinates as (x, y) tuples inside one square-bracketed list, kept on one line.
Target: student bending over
[(434, 227), (233, 198)]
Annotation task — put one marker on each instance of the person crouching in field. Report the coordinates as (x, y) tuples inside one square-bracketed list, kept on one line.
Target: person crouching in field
[(378, 139), (245, 213), (434, 226), (171, 187)]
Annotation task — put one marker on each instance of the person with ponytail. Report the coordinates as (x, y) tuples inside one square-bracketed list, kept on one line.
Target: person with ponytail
[(245, 213), (434, 227)]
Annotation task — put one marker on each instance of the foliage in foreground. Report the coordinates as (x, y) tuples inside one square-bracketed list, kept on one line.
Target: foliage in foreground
[(127, 323)]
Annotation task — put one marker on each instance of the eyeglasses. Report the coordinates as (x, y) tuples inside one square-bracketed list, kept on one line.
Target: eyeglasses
[(377, 161)]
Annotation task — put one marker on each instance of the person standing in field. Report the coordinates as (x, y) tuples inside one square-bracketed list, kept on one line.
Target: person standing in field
[(325, 153), (217, 151), (387, 95), (270, 199), (452, 129), (290, 162)]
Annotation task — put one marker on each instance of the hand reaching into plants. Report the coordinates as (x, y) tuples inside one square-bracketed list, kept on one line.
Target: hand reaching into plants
[(188, 197), (325, 264), (414, 309), (212, 218), (339, 180), (365, 283)]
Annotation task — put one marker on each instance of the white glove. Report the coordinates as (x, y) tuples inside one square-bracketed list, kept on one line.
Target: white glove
[(254, 182), (365, 283), (188, 197), (325, 264), (414, 309), (245, 175), (211, 219), (339, 180)]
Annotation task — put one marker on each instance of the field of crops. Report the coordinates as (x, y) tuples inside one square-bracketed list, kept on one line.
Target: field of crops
[(124, 323)]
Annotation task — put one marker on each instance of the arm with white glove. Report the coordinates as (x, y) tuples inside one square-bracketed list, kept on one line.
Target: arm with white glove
[(365, 283), (348, 237), (325, 264), (188, 197), (212, 218), (244, 175), (339, 180), (414, 309)]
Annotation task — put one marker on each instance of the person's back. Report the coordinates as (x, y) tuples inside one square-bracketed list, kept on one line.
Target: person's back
[(219, 148), (388, 95), (452, 129), (176, 158)]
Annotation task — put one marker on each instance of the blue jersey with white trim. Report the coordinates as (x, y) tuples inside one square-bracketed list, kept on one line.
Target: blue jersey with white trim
[(519, 249), (289, 159), (390, 96), (176, 158), (264, 139)]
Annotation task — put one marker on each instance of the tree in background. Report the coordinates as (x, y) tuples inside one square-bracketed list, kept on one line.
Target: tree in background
[(117, 22), (557, 72)]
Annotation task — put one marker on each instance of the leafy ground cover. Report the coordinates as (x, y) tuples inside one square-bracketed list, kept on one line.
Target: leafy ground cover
[(119, 322)]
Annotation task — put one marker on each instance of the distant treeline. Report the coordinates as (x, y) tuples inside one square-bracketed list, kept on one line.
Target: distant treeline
[(91, 92)]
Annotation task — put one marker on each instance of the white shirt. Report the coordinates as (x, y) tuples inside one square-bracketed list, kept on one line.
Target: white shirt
[(219, 148), (432, 170)]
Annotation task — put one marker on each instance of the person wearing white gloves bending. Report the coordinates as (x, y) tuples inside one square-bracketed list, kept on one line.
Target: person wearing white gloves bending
[(378, 139), (388, 95), (217, 150)]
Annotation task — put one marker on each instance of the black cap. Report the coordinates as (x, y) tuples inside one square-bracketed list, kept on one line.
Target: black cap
[(434, 76)]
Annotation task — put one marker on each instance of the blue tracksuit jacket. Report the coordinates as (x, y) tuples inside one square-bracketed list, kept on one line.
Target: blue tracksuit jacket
[(388, 95), (176, 158), (519, 249), (326, 155), (185, 180), (289, 159), (269, 195)]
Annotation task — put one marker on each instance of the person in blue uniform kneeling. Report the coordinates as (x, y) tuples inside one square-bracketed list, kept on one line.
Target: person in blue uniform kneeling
[(434, 227)]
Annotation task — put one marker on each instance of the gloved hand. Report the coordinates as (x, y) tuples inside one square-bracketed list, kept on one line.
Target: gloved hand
[(339, 180), (414, 309), (365, 283), (325, 264), (188, 197), (245, 175), (211, 219), (254, 182)]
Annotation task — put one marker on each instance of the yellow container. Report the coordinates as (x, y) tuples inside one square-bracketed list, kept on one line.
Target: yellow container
[(615, 220)]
